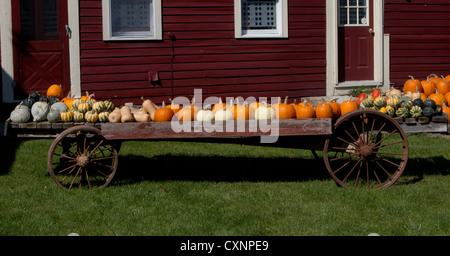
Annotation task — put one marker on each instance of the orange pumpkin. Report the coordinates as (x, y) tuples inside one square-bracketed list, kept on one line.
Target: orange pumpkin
[(447, 77), (305, 102), (324, 110), (428, 87), (284, 110), (411, 84), (218, 106), (68, 100), (447, 98), (55, 90), (349, 106), (446, 109), (423, 96), (304, 112), (438, 98), (163, 114), (175, 108), (442, 86), (336, 108), (241, 112), (434, 78)]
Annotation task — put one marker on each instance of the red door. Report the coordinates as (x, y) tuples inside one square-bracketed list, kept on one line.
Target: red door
[(40, 45), (355, 40)]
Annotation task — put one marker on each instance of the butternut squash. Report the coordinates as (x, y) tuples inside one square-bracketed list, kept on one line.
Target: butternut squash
[(141, 115), (126, 115), (115, 116), (150, 107)]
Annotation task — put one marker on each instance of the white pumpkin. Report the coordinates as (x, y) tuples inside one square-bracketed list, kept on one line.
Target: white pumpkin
[(39, 111), (20, 114), (223, 115), (59, 106), (205, 115), (54, 116), (265, 112)]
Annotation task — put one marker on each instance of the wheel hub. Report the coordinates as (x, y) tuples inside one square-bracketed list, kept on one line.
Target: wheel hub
[(365, 151), (83, 160)]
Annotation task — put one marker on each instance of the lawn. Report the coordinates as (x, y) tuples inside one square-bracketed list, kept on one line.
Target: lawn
[(187, 189)]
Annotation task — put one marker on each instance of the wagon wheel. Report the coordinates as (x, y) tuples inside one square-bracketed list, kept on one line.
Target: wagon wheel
[(367, 149), (81, 157)]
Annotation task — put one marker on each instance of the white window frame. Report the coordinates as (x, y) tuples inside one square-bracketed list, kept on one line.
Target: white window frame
[(156, 22), (282, 23)]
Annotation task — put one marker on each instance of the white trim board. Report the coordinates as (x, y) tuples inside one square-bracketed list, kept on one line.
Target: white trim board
[(381, 54)]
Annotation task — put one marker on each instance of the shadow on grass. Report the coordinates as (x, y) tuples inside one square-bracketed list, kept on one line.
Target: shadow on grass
[(203, 168), (134, 169), (8, 148)]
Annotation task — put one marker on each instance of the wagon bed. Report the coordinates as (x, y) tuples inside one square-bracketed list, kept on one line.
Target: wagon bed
[(362, 148)]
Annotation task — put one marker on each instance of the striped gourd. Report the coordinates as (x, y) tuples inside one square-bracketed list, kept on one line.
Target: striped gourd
[(84, 107), (76, 103), (402, 112), (108, 105), (390, 111), (103, 117), (78, 116), (393, 101), (382, 110), (66, 116), (379, 102), (406, 102), (368, 102), (91, 116), (415, 111), (98, 106)]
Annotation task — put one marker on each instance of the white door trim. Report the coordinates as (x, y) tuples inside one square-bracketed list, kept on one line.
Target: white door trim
[(7, 61), (381, 78)]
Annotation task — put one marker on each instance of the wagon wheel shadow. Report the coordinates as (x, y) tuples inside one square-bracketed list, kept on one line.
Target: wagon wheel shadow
[(133, 168)]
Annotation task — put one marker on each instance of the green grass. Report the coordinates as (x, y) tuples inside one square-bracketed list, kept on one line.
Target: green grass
[(173, 188)]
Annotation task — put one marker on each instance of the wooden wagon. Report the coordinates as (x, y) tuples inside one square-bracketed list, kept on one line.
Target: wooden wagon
[(363, 148)]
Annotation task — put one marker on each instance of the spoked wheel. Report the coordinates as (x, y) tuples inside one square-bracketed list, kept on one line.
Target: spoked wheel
[(367, 149), (81, 157)]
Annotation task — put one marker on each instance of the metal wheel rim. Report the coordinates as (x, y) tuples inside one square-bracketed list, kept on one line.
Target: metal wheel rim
[(81, 157), (368, 158)]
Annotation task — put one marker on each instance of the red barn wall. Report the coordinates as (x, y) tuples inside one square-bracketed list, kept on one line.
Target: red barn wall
[(206, 55), (419, 38)]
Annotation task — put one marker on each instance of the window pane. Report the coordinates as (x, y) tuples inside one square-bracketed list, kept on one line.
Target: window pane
[(39, 20), (342, 16), (362, 2), (50, 17), (353, 18), (342, 2), (259, 14), (362, 16), (131, 18), (352, 2)]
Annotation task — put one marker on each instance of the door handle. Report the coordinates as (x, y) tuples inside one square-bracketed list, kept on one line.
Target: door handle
[(371, 31), (68, 31)]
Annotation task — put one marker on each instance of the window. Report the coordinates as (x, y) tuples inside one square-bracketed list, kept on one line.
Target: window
[(39, 20), (261, 18), (353, 13), (132, 20)]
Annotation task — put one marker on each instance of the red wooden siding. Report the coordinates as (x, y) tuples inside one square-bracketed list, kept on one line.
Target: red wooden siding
[(420, 38), (206, 55)]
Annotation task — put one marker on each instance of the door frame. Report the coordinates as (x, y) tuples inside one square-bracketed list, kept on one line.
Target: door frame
[(380, 52), (7, 50)]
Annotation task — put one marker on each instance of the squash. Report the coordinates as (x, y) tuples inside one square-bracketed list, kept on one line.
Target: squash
[(218, 106), (348, 106), (98, 106), (186, 114), (115, 116), (125, 113), (418, 102), (240, 112), (447, 98), (438, 98), (39, 111), (379, 102), (175, 107), (78, 116), (415, 95), (54, 116), (428, 111), (305, 111), (394, 102), (252, 108), (429, 103), (59, 106), (84, 107), (392, 91), (336, 108), (150, 107), (66, 116), (443, 86), (103, 117), (205, 115), (415, 111), (91, 116), (411, 84), (324, 110), (223, 114), (284, 110), (428, 86), (19, 114), (446, 109), (163, 114), (55, 90), (390, 111), (264, 112), (402, 112)]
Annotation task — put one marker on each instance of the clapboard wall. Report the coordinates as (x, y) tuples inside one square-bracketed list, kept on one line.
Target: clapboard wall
[(419, 38), (205, 55)]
